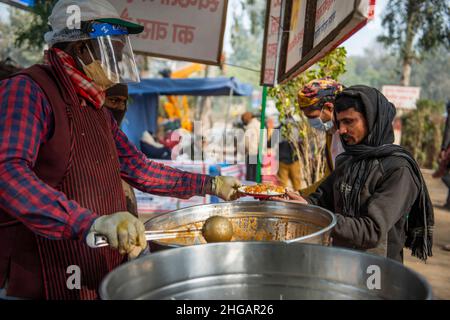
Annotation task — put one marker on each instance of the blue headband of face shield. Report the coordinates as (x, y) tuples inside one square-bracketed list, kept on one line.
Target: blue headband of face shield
[(97, 30)]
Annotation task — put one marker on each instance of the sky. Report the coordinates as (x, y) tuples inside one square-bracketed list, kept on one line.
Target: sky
[(367, 35), (355, 45)]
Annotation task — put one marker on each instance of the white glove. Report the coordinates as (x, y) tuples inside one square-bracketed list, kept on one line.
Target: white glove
[(124, 232), (225, 188)]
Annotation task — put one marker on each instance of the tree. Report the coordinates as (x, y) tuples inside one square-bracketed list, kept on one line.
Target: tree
[(415, 27), (9, 30), (432, 75), (423, 130), (31, 35), (246, 40), (375, 68)]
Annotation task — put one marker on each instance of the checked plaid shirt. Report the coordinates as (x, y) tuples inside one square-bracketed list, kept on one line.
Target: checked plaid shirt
[(26, 122)]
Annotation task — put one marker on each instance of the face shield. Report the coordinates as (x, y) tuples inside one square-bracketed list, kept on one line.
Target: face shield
[(111, 54)]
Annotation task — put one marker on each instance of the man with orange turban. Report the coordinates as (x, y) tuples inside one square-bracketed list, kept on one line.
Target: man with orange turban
[(316, 100)]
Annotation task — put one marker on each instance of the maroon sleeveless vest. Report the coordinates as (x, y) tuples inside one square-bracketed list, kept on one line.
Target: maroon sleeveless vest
[(81, 161)]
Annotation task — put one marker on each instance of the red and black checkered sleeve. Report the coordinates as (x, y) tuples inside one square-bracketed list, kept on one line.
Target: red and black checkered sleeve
[(152, 177), (25, 123)]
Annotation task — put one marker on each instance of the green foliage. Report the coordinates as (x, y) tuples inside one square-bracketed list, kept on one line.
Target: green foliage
[(414, 28), (31, 35), (425, 21), (376, 68), (9, 31), (310, 151), (432, 75), (422, 132), (246, 40)]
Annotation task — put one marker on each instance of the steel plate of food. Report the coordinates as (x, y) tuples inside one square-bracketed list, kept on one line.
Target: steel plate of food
[(262, 191)]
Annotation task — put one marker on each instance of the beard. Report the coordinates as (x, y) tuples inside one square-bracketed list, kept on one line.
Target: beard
[(348, 139)]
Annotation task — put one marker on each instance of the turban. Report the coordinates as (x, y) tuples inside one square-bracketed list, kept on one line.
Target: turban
[(318, 92)]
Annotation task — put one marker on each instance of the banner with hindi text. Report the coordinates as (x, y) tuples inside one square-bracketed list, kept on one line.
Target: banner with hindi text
[(189, 30)]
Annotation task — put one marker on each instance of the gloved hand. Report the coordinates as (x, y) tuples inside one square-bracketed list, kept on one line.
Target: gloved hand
[(124, 232), (225, 188)]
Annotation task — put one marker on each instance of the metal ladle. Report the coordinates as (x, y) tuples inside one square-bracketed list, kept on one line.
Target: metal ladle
[(215, 229)]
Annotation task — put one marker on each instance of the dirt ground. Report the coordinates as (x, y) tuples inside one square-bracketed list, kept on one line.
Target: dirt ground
[(437, 268)]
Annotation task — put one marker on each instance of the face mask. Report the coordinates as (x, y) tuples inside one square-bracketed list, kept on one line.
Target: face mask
[(118, 115), (318, 124), (96, 72)]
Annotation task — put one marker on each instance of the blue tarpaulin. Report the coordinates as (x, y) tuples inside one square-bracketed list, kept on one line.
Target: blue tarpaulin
[(142, 111), (191, 87)]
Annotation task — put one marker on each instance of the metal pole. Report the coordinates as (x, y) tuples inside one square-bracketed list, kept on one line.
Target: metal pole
[(261, 135)]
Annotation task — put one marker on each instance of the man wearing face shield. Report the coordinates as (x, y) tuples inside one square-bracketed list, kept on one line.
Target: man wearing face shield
[(62, 158), (316, 100)]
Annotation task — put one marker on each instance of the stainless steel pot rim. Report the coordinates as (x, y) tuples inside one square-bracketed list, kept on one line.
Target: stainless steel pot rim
[(212, 205), (161, 254)]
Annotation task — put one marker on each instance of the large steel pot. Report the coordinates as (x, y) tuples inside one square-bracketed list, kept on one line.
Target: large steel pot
[(263, 271), (252, 221)]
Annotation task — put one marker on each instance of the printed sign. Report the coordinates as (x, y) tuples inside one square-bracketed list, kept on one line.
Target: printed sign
[(271, 42), (402, 97), (315, 28), (190, 30)]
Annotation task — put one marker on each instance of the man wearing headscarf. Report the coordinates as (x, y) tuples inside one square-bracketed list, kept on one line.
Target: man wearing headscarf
[(377, 190), (443, 171), (316, 101), (252, 128)]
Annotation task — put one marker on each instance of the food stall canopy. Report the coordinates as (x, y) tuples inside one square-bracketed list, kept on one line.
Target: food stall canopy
[(191, 87), (142, 111)]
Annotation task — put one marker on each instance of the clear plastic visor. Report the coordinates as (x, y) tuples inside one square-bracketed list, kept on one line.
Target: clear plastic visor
[(115, 54)]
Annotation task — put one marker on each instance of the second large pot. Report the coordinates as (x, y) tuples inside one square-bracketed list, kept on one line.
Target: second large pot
[(263, 271)]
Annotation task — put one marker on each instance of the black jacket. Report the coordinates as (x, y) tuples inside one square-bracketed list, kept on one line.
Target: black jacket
[(446, 137), (386, 199)]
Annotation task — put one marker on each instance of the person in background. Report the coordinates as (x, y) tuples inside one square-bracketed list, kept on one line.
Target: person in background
[(443, 171), (252, 128), (316, 101), (153, 149), (270, 161), (116, 100), (289, 171), (377, 190)]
